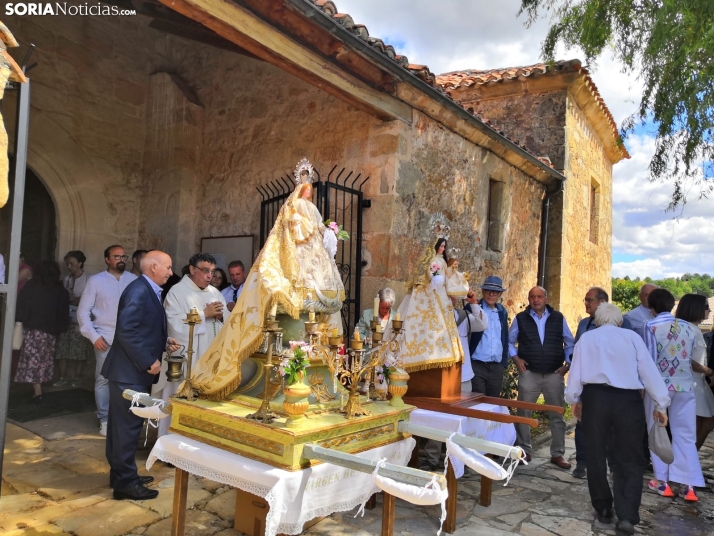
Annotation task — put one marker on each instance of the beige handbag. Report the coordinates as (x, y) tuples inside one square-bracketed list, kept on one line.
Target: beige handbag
[(17, 334)]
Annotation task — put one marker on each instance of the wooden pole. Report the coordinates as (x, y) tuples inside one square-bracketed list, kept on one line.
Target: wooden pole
[(452, 485), (178, 516), (388, 511)]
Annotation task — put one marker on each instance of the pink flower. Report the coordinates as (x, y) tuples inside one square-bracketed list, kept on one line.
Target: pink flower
[(335, 228)]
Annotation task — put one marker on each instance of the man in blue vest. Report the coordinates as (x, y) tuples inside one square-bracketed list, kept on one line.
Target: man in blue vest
[(545, 345), (593, 298), (489, 348)]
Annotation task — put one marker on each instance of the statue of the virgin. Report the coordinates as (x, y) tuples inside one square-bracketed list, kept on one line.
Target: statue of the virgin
[(431, 338), (295, 272)]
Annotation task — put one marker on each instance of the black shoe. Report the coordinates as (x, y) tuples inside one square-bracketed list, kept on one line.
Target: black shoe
[(605, 517), (36, 399), (624, 527), (580, 472), (136, 493), (146, 479)]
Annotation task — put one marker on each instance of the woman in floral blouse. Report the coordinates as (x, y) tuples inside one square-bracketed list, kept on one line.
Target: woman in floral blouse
[(672, 342)]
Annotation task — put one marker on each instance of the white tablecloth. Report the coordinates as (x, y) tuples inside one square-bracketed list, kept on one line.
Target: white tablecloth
[(479, 428), (295, 497)]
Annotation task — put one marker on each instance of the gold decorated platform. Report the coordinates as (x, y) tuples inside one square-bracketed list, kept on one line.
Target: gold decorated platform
[(223, 425)]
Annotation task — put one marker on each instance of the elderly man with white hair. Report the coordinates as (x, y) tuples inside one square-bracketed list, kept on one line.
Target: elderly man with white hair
[(609, 368), (386, 298)]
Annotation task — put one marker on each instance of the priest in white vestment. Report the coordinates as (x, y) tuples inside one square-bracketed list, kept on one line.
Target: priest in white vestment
[(194, 290)]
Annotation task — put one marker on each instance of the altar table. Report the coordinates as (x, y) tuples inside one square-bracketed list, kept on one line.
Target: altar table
[(294, 497)]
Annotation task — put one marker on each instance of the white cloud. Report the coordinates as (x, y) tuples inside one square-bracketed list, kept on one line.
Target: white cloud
[(462, 34)]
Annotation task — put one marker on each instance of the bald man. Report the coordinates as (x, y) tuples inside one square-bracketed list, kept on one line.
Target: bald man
[(544, 346), (640, 315), (134, 362)]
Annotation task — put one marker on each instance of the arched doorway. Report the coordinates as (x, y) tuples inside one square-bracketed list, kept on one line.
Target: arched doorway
[(39, 222)]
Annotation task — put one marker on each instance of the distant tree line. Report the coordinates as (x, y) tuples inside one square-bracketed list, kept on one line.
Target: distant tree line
[(625, 291)]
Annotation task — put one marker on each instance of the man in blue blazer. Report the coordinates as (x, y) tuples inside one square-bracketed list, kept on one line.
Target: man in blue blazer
[(134, 362)]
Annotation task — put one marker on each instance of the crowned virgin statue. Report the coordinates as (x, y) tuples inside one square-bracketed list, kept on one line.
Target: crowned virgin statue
[(294, 272), (431, 338)]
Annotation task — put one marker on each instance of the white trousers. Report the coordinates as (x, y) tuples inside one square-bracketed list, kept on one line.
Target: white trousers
[(685, 469)]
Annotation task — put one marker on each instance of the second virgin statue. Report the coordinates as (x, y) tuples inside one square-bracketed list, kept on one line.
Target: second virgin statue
[(294, 271), (431, 338)]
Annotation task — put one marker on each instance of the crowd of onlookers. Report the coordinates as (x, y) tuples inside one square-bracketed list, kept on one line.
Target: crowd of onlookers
[(625, 374), (68, 323)]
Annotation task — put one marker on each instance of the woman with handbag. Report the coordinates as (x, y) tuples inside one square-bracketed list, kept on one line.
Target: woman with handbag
[(672, 342), (609, 368), (43, 309)]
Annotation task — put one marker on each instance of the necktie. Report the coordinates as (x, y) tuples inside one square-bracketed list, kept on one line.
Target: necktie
[(235, 294)]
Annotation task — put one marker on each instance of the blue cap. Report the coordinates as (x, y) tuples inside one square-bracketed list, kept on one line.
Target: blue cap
[(493, 283)]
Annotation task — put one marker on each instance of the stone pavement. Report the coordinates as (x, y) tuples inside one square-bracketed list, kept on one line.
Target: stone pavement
[(55, 481)]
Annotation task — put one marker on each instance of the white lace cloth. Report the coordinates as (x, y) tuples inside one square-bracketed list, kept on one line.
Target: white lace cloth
[(295, 497), (479, 428)]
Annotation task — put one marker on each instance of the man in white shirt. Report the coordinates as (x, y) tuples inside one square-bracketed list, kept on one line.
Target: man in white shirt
[(609, 368), (640, 315), (97, 318), (194, 290), (237, 275)]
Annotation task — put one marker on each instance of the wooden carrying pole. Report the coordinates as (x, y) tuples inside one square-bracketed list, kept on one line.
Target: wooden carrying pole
[(399, 473), (491, 447)]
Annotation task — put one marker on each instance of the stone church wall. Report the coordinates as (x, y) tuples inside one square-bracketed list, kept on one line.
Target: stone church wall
[(128, 159), (587, 254)]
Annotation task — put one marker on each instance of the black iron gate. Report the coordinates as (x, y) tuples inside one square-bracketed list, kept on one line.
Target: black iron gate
[(338, 198)]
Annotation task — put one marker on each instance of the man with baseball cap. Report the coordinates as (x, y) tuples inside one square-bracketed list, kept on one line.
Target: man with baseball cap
[(489, 348)]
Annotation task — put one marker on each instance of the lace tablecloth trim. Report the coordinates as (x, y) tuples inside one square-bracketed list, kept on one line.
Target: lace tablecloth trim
[(270, 495), (297, 528)]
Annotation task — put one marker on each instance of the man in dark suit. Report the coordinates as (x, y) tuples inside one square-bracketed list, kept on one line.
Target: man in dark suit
[(134, 362)]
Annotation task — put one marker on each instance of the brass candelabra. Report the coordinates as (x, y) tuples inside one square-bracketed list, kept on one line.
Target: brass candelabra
[(349, 368), (264, 413), (192, 318)]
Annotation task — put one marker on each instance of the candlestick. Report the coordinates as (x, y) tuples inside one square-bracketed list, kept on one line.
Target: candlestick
[(379, 328), (376, 307)]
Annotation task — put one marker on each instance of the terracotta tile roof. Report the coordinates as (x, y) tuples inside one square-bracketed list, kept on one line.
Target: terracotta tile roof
[(420, 71), (360, 30), (471, 77)]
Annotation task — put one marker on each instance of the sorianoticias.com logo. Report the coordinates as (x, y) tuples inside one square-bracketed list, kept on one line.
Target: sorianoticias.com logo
[(63, 8)]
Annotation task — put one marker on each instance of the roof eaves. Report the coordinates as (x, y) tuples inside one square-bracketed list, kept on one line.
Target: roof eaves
[(326, 15)]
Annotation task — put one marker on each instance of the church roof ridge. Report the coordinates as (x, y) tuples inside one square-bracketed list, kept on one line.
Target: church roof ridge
[(475, 77)]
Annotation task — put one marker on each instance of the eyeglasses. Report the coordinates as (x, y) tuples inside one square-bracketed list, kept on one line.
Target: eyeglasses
[(205, 270), (120, 257)]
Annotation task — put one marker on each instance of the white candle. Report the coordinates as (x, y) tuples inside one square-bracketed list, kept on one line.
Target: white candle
[(397, 317), (376, 307), (311, 316), (274, 310)]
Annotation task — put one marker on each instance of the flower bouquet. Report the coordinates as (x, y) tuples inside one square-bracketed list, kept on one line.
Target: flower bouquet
[(340, 233), (435, 268), (292, 367)]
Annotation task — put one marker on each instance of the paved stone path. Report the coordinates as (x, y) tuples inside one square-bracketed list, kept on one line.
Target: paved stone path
[(59, 485)]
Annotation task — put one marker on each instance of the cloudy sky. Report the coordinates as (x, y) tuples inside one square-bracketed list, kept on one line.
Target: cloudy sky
[(482, 34)]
